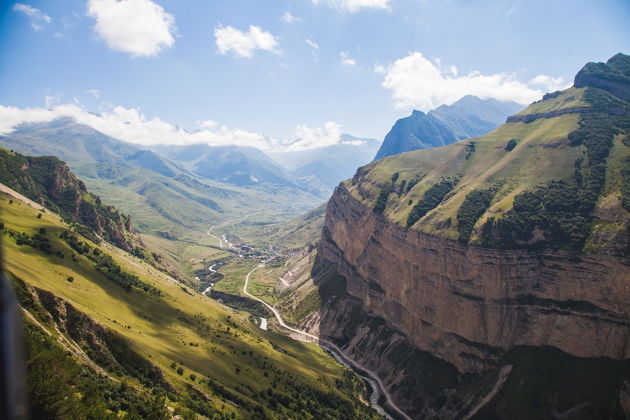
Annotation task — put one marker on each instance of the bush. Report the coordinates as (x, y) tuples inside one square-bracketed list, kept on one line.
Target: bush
[(511, 144), (70, 279), (180, 370), (381, 201)]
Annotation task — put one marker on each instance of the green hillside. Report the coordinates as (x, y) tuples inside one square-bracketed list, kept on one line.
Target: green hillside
[(121, 318), (553, 175)]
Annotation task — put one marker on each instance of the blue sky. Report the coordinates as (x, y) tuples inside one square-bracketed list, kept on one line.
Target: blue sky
[(281, 69)]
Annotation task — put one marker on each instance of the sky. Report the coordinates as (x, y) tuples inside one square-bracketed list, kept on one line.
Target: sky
[(266, 72)]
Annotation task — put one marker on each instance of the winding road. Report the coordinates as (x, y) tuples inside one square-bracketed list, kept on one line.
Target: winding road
[(373, 379)]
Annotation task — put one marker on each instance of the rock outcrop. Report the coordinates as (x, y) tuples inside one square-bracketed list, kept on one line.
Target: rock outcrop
[(50, 182)]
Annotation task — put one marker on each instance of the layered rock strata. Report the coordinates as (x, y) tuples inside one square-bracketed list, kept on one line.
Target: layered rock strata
[(468, 305)]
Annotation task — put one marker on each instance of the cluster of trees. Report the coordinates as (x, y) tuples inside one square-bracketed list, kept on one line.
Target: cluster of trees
[(432, 198), (106, 265), (38, 241), (474, 206), (470, 149)]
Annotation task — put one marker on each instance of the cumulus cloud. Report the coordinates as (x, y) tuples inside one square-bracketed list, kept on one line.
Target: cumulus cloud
[(287, 17), (355, 5), (346, 61), (417, 82), (36, 16), (139, 27), (130, 125), (243, 44)]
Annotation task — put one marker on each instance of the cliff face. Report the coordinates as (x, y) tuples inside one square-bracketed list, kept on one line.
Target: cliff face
[(468, 305)]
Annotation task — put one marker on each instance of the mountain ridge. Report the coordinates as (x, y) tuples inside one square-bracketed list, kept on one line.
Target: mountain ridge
[(469, 117)]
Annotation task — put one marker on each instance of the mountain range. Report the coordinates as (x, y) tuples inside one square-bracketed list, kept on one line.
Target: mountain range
[(468, 117)]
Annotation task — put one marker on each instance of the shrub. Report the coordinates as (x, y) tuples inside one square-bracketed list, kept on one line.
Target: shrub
[(511, 144), (70, 279), (180, 370)]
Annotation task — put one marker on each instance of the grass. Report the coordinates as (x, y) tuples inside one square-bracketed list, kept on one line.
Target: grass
[(542, 154), (162, 328), (570, 98)]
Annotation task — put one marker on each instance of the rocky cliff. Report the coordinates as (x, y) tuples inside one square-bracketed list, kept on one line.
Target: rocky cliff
[(470, 277), (468, 305)]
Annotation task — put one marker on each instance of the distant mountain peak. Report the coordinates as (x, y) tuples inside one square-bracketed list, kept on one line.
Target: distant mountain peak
[(468, 117)]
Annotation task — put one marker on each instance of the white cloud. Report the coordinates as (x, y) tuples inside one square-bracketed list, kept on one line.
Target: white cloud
[(311, 42), (139, 27), (130, 125), (356, 5), (549, 83), (346, 61), (416, 82), (37, 17), (287, 17), (311, 138), (94, 92), (243, 44)]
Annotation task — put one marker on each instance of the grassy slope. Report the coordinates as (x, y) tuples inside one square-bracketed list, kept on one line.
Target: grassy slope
[(542, 154), (154, 325)]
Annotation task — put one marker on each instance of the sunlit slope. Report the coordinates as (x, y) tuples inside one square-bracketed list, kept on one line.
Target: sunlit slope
[(538, 158), (176, 325), (564, 160)]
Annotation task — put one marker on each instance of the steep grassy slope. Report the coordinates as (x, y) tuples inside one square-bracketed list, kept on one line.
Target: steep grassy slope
[(73, 287), (545, 178)]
